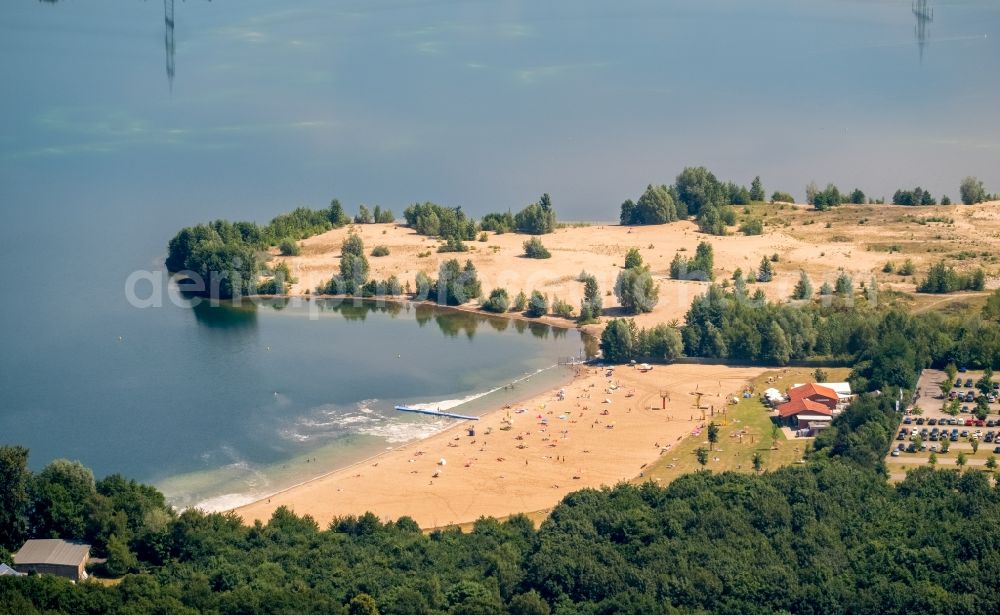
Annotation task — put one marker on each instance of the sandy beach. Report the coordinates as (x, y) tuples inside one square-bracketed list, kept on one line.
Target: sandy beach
[(523, 458)]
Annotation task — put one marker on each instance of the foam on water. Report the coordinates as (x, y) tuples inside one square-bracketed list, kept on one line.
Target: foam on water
[(241, 482)]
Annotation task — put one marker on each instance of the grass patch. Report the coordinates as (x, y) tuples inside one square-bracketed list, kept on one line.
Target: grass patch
[(752, 418)]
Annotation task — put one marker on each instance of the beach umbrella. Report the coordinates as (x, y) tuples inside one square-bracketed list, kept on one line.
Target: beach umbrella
[(442, 462)]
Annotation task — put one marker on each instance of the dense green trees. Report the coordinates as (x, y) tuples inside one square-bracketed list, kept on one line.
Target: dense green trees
[(622, 341), (533, 248), (455, 284), (782, 197), (221, 257), (917, 196), (972, 191), (823, 199), (437, 221), (700, 267), (655, 206), (944, 279), (14, 497), (538, 218), (498, 222)]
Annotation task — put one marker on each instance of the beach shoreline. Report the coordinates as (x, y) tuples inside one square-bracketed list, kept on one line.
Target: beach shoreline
[(594, 434)]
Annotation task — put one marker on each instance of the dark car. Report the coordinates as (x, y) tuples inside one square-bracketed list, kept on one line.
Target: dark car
[(969, 397), (908, 420), (962, 370), (932, 421), (997, 450), (921, 421), (991, 423), (954, 437), (965, 433), (968, 383), (912, 448), (958, 383)]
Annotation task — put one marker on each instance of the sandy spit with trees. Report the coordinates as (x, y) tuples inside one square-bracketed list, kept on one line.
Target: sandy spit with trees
[(523, 461), (860, 239)]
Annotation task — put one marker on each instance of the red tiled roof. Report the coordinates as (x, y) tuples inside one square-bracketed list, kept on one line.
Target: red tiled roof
[(802, 404), (807, 390)]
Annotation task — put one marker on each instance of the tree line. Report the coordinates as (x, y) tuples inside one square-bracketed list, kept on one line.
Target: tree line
[(886, 346)]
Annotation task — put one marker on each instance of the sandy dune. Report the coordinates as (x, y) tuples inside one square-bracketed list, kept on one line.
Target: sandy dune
[(857, 239)]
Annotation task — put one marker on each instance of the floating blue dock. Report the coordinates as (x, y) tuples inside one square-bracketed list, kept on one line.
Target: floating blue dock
[(450, 415)]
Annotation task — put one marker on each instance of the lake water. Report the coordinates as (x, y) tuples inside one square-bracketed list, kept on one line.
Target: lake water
[(115, 132)]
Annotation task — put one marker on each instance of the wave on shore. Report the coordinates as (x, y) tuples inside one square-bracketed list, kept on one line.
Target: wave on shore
[(329, 423)]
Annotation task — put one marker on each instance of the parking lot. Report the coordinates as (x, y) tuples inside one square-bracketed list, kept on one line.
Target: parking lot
[(947, 426)]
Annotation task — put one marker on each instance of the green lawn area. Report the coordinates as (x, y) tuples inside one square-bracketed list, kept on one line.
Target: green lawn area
[(751, 419)]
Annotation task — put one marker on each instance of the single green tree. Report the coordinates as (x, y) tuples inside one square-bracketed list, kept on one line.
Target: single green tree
[(633, 259), (974, 442), (520, 302), (636, 291), (757, 190), (362, 604), (932, 459), (533, 248), (619, 340), (961, 459), (702, 455), (972, 191), (803, 288), (538, 305), (758, 462), (991, 462), (713, 435), (530, 603), (765, 273)]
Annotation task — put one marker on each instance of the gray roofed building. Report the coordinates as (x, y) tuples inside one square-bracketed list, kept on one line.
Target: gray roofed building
[(53, 556)]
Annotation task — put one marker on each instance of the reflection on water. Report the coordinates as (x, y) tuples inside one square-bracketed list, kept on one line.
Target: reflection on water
[(226, 316), (924, 14), (452, 323)]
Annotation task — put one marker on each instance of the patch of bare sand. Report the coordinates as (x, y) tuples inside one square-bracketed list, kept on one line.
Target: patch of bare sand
[(522, 461)]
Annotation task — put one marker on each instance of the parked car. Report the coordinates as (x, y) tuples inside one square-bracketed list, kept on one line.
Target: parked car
[(958, 383), (912, 448), (962, 370), (997, 450), (908, 420), (968, 383), (895, 453), (969, 397), (932, 421), (980, 422), (920, 421), (954, 437), (968, 422)]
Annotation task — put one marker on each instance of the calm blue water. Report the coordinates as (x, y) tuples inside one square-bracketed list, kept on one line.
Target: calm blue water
[(103, 157)]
